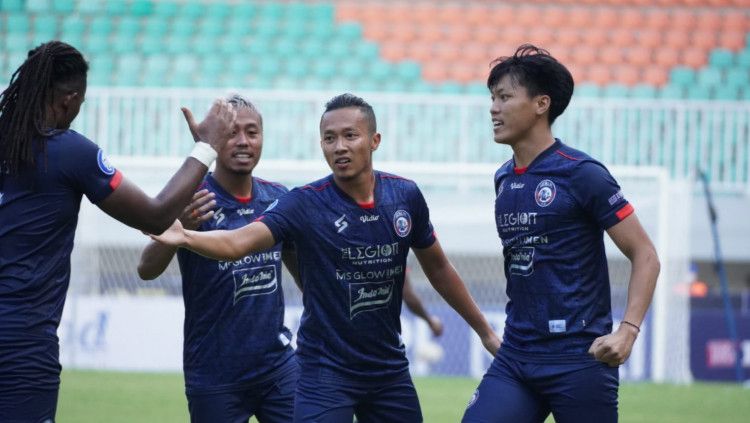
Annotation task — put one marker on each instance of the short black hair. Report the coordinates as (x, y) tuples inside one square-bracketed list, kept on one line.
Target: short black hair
[(240, 102), (345, 100), (541, 74)]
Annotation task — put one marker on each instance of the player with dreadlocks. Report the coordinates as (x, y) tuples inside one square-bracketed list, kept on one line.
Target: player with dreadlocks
[(45, 169)]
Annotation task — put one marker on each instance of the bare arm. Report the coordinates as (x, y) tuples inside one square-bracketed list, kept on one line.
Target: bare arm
[(155, 256), (131, 206), (630, 237), (446, 281), (220, 245), (414, 303)]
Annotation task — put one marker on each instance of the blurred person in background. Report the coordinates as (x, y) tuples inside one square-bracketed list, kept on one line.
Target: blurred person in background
[(237, 355), (45, 169)]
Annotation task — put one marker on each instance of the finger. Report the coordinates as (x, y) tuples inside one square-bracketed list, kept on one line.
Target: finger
[(206, 207), (198, 194), (207, 216), (191, 123), (203, 201)]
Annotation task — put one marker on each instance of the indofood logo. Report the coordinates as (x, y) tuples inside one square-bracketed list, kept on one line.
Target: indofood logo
[(254, 281), (369, 296)]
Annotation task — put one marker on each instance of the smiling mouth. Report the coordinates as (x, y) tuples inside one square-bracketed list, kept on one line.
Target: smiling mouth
[(242, 156), (342, 160), (497, 123)]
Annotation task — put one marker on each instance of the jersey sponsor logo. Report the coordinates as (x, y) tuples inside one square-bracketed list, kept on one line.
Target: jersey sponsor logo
[(259, 258), (516, 185), (371, 254), (103, 163), (245, 212), (545, 192), (500, 189), (254, 281), (557, 326), (402, 223), (344, 275), (341, 223), (521, 261), (368, 296), (369, 218), (272, 205), (219, 216), (516, 219), (615, 198)]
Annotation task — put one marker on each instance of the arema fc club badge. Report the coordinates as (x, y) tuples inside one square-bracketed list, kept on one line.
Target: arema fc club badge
[(103, 163), (402, 223), (545, 193)]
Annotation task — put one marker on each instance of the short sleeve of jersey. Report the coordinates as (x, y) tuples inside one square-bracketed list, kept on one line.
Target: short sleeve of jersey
[(282, 215), (599, 194), (89, 170), (424, 233)]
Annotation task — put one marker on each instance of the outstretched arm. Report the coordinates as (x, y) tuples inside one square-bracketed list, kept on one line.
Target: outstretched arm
[(131, 206), (155, 256), (630, 237), (220, 245), (414, 303), (444, 278)]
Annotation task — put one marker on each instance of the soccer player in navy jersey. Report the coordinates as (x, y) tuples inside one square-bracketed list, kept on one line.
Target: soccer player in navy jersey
[(553, 203), (352, 231), (45, 169), (237, 356)]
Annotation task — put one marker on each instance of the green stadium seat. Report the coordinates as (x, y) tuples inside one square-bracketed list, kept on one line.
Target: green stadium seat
[(709, 77), (643, 91), (41, 38), (96, 79), (365, 85), (182, 27), (191, 10), (312, 48), (450, 87), (115, 8), (179, 80), (297, 12), (205, 45), (738, 77), (17, 43), (238, 27), (285, 82), (380, 71), (46, 26), (11, 5), (94, 45), (176, 44), (409, 71), (244, 10), (268, 68), (17, 23), (721, 58), (216, 10), (73, 26), (586, 90), (698, 92), (672, 92), (207, 80), (155, 26), (128, 26), (285, 47), (745, 94), (100, 26), (726, 92), (742, 59), (211, 27), (311, 84), (349, 31), (90, 7), (141, 7), (152, 44), (352, 69), (238, 65), (154, 79), (321, 14), (477, 88), (63, 6), (216, 66), (165, 9), (157, 63), (324, 68), (682, 75), (38, 6), (185, 63), (323, 31), (265, 29), (367, 50), (270, 11), (339, 83), (295, 31), (123, 44), (339, 49)]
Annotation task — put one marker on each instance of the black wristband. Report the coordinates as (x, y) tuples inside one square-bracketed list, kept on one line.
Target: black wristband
[(632, 324)]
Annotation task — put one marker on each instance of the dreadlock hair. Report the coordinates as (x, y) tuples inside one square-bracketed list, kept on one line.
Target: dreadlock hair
[(540, 73), (48, 69)]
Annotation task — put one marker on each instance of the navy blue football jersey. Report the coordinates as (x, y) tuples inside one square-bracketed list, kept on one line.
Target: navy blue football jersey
[(234, 310), (551, 217), (352, 260), (38, 217)]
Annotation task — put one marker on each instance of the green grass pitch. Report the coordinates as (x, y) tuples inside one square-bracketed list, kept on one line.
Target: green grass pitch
[(88, 396)]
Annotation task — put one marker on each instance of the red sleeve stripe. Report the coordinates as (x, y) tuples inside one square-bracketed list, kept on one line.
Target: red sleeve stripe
[(116, 180), (625, 211)]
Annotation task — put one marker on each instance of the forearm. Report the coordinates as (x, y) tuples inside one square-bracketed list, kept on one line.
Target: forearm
[(643, 276), (449, 285), (415, 305), (230, 245), (154, 260), (177, 193)]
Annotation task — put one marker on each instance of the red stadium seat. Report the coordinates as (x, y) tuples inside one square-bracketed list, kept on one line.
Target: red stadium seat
[(732, 40), (655, 75), (667, 57), (695, 58)]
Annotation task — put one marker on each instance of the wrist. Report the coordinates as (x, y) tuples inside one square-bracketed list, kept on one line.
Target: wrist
[(204, 153), (630, 327)]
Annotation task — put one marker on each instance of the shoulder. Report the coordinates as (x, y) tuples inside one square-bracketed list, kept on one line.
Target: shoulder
[(71, 141), (321, 185), (504, 169), (395, 180), (273, 189), (578, 162)]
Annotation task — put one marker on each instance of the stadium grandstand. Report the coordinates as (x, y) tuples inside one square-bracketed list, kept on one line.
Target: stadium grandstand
[(662, 92)]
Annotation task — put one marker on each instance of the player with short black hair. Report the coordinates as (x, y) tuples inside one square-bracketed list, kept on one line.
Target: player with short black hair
[(45, 169), (237, 354), (553, 203), (352, 230)]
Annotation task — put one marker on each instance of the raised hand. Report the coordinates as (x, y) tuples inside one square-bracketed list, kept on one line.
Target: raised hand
[(217, 127), (199, 210), (174, 236)]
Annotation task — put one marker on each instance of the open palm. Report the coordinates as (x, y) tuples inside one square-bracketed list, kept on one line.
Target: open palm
[(174, 236)]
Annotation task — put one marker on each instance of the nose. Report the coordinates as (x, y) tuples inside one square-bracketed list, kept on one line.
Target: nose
[(242, 139), (494, 108), (339, 146)]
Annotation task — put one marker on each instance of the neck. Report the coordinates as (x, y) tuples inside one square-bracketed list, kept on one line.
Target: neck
[(361, 188), (238, 185), (528, 148)]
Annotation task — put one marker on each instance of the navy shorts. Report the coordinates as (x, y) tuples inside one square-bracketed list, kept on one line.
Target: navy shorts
[(326, 396), (513, 391), (269, 402), (28, 407)]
